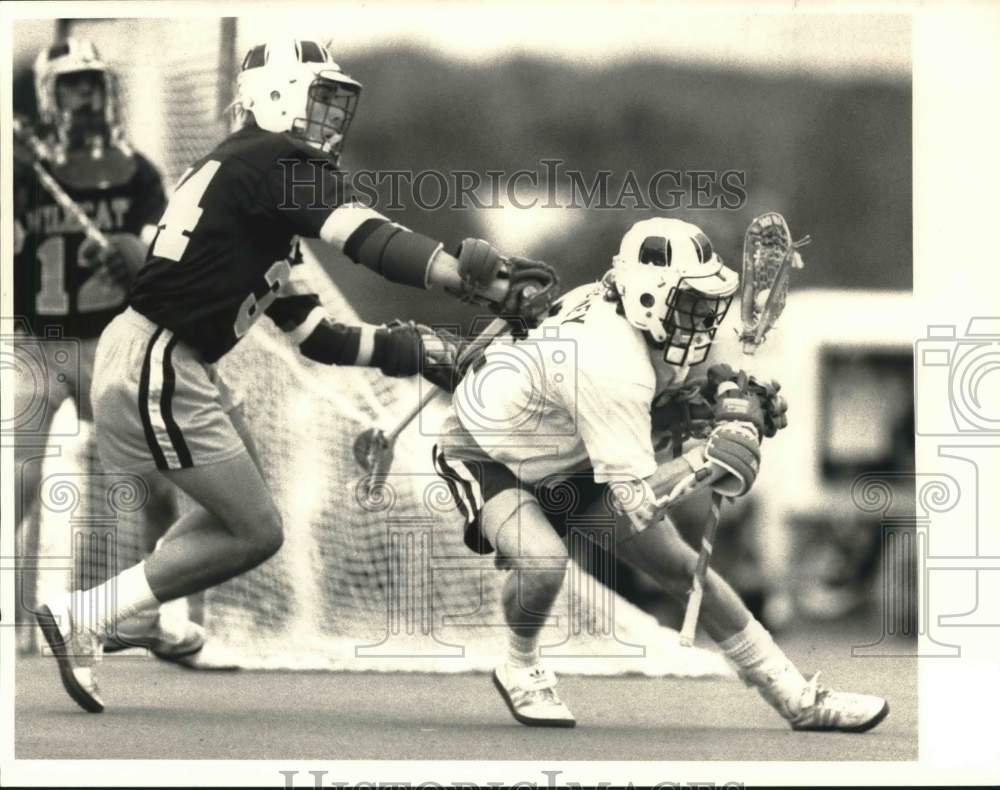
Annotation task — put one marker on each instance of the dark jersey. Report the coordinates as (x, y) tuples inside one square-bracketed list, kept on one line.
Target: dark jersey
[(51, 288), (220, 257)]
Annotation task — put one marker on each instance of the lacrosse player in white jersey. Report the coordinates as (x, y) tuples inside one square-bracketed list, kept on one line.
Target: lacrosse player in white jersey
[(582, 402)]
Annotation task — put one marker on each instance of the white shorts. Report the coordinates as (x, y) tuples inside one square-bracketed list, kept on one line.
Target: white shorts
[(156, 404)]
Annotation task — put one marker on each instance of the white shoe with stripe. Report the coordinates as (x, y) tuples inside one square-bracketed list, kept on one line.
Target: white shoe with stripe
[(818, 708), (77, 651), (174, 640), (530, 695)]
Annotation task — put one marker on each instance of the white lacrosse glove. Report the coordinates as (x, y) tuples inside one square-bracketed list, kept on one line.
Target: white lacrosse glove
[(734, 446)]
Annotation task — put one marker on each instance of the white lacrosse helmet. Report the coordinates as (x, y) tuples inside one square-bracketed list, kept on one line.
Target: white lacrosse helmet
[(673, 286), (294, 86), (69, 57)]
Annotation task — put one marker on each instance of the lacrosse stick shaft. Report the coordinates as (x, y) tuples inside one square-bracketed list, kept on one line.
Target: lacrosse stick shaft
[(407, 418), (497, 327), (768, 316), (65, 202), (700, 578)]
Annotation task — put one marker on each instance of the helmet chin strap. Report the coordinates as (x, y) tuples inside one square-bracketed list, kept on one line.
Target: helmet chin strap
[(332, 144)]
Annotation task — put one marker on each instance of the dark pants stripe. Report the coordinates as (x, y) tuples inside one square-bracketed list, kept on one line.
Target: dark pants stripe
[(147, 423), (167, 409)]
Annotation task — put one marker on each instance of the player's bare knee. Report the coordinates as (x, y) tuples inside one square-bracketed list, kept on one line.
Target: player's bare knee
[(539, 556), (543, 573), (548, 581), (271, 534), (261, 535)]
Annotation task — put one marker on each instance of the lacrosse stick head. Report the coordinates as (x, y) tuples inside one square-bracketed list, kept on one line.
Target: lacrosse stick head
[(373, 452), (768, 254)]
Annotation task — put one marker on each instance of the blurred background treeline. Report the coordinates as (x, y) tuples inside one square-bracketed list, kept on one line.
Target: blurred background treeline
[(834, 155)]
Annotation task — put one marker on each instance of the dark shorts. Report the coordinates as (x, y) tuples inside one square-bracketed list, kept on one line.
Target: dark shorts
[(565, 498)]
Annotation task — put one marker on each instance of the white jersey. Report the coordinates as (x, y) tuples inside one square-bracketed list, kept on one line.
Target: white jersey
[(574, 394)]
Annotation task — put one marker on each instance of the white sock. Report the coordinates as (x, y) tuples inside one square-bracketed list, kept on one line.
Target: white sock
[(753, 648), (522, 651), (765, 666), (100, 608)]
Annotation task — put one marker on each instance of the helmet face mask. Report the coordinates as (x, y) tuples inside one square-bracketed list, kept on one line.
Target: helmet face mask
[(330, 108), (691, 323), (77, 98), (673, 287), (80, 97)]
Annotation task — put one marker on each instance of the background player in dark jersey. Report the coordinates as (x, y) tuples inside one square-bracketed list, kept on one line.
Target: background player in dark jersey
[(66, 286), (219, 261)]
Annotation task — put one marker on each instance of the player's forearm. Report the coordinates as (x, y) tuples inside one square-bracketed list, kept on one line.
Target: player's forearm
[(663, 482), (391, 251), (444, 271), (395, 253), (396, 350), (332, 343), (645, 501)]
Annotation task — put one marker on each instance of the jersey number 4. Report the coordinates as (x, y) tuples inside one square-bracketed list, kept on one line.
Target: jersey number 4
[(178, 223), (183, 212)]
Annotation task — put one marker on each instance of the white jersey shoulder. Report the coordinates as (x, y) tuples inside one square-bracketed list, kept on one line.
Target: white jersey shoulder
[(604, 342)]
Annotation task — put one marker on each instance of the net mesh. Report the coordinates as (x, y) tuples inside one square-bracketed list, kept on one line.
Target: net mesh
[(377, 581)]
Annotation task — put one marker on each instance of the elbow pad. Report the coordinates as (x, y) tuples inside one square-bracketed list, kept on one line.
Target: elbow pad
[(398, 255)]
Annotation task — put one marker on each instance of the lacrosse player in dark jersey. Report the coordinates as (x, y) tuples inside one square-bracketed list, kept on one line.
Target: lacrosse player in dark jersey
[(218, 263), (68, 287)]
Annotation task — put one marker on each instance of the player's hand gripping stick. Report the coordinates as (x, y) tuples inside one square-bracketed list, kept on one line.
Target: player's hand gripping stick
[(373, 449), (26, 136)]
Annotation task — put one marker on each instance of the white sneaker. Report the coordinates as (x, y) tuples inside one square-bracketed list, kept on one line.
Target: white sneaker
[(530, 695), (175, 640), (77, 652), (816, 707), (823, 709)]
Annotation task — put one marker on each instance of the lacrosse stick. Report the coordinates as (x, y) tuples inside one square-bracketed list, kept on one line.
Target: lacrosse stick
[(373, 449), (768, 256), (700, 578), (24, 133)]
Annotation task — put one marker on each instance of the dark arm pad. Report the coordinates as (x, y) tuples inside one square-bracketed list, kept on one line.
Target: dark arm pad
[(398, 255), (332, 344), (288, 312)]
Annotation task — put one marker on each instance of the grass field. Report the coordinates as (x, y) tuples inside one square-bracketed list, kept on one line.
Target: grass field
[(157, 711)]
